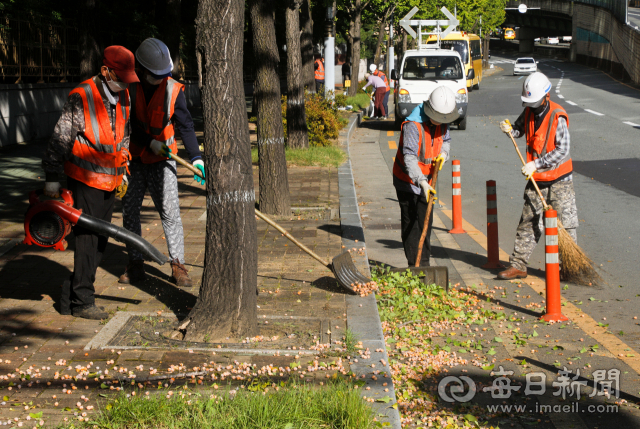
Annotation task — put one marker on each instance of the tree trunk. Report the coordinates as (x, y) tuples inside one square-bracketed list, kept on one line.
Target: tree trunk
[(306, 41), (376, 57), (89, 51), (226, 305), (171, 34), (356, 25), (297, 133), (274, 186)]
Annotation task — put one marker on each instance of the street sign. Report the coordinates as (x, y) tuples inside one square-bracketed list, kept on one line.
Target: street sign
[(450, 23)]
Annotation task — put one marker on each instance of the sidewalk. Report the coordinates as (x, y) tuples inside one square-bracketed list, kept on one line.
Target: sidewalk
[(518, 343)]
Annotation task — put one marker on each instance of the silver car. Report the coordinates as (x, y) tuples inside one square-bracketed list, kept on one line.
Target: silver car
[(525, 66)]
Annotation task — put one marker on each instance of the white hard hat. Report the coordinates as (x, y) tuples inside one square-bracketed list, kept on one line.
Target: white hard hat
[(441, 105), (154, 55), (373, 67), (535, 87)]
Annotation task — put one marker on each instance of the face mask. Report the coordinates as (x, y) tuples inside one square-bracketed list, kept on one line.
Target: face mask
[(152, 80), (116, 86)]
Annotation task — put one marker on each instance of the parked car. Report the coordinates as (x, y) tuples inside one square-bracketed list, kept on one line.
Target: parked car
[(566, 38), (525, 65), (553, 40), (537, 40)]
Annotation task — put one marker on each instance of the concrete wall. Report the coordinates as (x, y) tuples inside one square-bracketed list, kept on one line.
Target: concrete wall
[(602, 41), (30, 112)]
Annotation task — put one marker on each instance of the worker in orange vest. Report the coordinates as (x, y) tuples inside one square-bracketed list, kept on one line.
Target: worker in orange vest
[(159, 109), (545, 125), (90, 145), (319, 74), (374, 71)]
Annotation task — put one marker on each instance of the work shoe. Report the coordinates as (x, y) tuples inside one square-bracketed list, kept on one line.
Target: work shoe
[(89, 312), (179, 274), (512, 273), (133, 273)]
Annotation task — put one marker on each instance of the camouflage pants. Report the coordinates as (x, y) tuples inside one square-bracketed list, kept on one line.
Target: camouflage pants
[(562, 198), (162, 181)]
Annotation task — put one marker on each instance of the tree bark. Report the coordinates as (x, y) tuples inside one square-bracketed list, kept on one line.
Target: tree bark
[(306, 41), (171, 34), (378, 53), (89, 51), (274, 185), (356, 25), (297, 133), (226, 305)]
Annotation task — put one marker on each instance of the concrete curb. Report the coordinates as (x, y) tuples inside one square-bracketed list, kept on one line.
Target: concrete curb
[(362, 313)]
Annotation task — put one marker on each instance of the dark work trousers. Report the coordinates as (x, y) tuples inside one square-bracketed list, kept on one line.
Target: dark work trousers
[(379, 106), (89, 245), (386, 102), (413, 210), (320, 87)]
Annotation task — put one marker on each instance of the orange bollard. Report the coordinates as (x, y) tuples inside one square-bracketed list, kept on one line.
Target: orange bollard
[(456, 199), (493, 245), (552, 268)]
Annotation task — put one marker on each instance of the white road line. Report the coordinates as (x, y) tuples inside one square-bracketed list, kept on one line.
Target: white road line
[(595, 113), (560, 96), (632, 124), (572, 103)]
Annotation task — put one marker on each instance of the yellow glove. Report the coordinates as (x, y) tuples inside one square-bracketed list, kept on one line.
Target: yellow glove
[(505, 126), (121, 190), (442, 159), (427, 189)]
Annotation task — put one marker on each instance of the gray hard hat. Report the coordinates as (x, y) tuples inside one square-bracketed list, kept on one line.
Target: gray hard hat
[(154, 55)]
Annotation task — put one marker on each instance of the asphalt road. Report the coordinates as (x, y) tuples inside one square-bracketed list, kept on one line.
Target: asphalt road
[(605, 148), (633, 16)]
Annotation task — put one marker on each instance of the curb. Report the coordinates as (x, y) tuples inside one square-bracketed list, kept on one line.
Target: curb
[(362, 312)]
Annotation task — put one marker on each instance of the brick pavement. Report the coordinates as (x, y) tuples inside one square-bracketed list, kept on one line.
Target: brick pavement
[(36, 340)]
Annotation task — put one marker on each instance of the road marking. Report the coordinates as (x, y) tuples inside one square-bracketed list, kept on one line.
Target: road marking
[(392, 144), (595, 113), (572, 103), (632, 124), (612, 343), (560, 96), (389, 133), (518, 79)]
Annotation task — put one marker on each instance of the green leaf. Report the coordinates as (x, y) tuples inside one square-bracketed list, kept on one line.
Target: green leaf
[(108, 407), (565, 287), (104, 386), (470, 418), (497, 339), (488, 367), (462, 351), (385, 399), (583, 350), (630, 355), (36, 415), (491, 351), (621, 333), (558, 348), (535, 334), (592, 299), (5, 398), (69, 409), (288, 426)]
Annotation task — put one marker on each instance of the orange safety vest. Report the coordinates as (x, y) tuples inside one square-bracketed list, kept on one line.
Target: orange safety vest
[(425, 151), (383, 77), (98, 159), (155, 118), (543, 141), (319, 73)]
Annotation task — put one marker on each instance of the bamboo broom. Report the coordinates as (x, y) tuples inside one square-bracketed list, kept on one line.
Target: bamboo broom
[(576, 265)]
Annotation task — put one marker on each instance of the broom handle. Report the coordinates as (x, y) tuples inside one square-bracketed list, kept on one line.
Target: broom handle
[(544, 203), (262, 216), (425, 227)]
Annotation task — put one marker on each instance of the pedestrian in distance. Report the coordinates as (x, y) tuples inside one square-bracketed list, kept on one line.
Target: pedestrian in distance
[(379, 91), (346, 72), (424, 140), (319, 74), (159, 109), (374, 71), (545, 125), (90, 144)]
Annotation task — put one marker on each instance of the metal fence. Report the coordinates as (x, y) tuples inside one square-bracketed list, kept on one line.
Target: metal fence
[(617, 7), (37, 50)]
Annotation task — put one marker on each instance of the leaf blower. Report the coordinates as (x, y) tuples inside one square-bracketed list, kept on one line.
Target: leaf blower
[(47, 223)]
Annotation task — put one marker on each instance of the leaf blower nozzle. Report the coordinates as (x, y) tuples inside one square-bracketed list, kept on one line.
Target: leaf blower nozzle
[(47, 223)]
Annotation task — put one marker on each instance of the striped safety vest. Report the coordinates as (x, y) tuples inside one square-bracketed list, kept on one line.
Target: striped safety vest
[(429, 147), (155, 118), (97, 158), (319, 73), (543, 141), (383, 77)]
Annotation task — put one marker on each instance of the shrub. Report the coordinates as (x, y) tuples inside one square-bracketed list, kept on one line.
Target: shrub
[(323, 121), (360, 101), (340, 100)]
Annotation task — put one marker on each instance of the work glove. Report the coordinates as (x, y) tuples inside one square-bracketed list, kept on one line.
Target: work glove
[(52, 189), (442, 158), (528, 169), (200, 166), (160, 148), (505, 126), (121, 190), (427, 189)]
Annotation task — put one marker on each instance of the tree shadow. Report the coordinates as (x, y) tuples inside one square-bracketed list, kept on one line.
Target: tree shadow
[(21, 331)]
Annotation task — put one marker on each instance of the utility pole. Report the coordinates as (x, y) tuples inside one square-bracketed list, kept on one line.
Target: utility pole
[(390, 59), (329, 55)]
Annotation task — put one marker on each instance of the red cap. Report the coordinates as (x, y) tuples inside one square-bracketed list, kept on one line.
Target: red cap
[(121, 60)]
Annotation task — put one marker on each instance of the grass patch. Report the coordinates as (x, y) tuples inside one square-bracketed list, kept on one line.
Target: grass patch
[(337, 405), (359, 101), (320, 156)]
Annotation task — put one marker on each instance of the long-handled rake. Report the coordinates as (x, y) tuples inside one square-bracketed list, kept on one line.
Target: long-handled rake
[(576, 264), (342, 265)]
